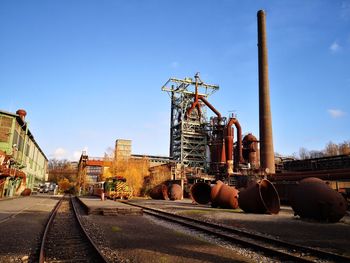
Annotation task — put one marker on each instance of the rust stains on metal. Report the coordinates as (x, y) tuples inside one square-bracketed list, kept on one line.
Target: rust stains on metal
[(159, 192), (229, 147), (224, 196), (175, 192), (260, 197), (265, 122), (21, 113), (250, 148), (314, 199), (200, 193)]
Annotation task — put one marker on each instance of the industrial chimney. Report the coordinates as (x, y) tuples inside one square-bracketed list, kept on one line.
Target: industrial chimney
[(21, 113), (267, 157)]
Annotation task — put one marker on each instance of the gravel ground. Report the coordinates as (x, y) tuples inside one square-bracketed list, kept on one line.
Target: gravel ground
[(285, 226), (144, 239), (22, 221)]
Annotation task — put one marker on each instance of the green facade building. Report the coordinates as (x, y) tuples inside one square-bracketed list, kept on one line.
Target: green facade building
[(22, 163)]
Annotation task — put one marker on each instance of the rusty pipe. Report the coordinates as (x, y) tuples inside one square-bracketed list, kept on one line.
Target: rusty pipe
[(239, 156), (210, 107), (260, 197), (224, 196), (159, 192), (175, 192), (200, 193), (267, 158), (195, 103)]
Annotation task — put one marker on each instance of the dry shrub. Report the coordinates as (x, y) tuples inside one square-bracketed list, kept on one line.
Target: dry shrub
[(64, 185), (134, 170), (158, 175)]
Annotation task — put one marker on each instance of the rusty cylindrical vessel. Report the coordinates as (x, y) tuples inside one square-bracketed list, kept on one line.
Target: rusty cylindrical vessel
[(314, 199), (260, 198), (224, 196), (250, 148), (175, 192), (159, 192), (200, 193)]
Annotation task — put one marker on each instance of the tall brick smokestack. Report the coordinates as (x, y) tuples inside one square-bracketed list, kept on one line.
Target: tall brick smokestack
[(267, 157)]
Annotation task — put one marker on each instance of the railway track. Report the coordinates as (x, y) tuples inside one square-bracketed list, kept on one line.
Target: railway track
[(275, 248), (65, 239)]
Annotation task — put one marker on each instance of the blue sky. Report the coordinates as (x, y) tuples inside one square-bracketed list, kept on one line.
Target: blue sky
[(90, 72)]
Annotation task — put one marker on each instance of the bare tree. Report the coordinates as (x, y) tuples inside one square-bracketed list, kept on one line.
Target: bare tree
[(344, 147), (316, 154), (331, 149), (304, 153), (61, 169)]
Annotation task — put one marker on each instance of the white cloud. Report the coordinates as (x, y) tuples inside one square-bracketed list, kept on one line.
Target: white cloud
[(60, 153), (76, 155), (335, 47), (336, 113), (175, 64)]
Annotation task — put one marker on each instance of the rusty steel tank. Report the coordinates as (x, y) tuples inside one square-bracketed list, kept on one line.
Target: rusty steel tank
[(175, 192), (224, 196), (260, 198), (312, 198), (250, 149), (200, 193), (159, 192)]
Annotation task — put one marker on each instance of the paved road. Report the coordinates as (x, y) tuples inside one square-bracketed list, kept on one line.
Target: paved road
[(22, 221)]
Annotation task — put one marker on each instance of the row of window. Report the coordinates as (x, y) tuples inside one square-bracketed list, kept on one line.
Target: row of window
[(25, 150)]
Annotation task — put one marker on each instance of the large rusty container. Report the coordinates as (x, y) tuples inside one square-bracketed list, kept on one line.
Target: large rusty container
[(200, 193), (26, 192), (175, 192), (250, 149), (224, 196), (260, 198), (314, 199), (159, 192)]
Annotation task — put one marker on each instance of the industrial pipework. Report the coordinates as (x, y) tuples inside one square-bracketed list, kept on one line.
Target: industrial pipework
[(198, 97), (238, 157), (267, 158)]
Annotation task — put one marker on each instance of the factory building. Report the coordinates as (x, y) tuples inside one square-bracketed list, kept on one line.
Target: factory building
[(22, 162), (95, 169)]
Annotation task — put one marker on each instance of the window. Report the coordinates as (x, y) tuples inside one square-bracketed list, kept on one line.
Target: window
[(27, 149), (5, 128), (15, 138)]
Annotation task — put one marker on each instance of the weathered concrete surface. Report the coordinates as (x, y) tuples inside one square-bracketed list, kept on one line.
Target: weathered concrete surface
[(96, 206), (22, 221)]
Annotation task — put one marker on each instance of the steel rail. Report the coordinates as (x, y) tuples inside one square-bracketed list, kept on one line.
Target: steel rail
[(101, 259), (104, 259), (307, 254), (48, 224)]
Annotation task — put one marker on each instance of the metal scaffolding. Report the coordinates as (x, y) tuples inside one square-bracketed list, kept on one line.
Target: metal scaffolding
[(188, 132)]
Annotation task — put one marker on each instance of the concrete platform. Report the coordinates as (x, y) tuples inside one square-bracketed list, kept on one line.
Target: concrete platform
[(94, 205)]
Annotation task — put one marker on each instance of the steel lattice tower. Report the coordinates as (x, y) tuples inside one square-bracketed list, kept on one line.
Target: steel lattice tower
[(188, 134)]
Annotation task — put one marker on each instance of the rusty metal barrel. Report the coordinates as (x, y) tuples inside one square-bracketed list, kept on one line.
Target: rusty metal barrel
[(260, 198), (175, 192), (200, 193), (314, 199), (224, 196), (159, 192)]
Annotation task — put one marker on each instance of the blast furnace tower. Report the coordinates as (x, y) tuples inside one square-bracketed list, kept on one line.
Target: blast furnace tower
[(188, 127)]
